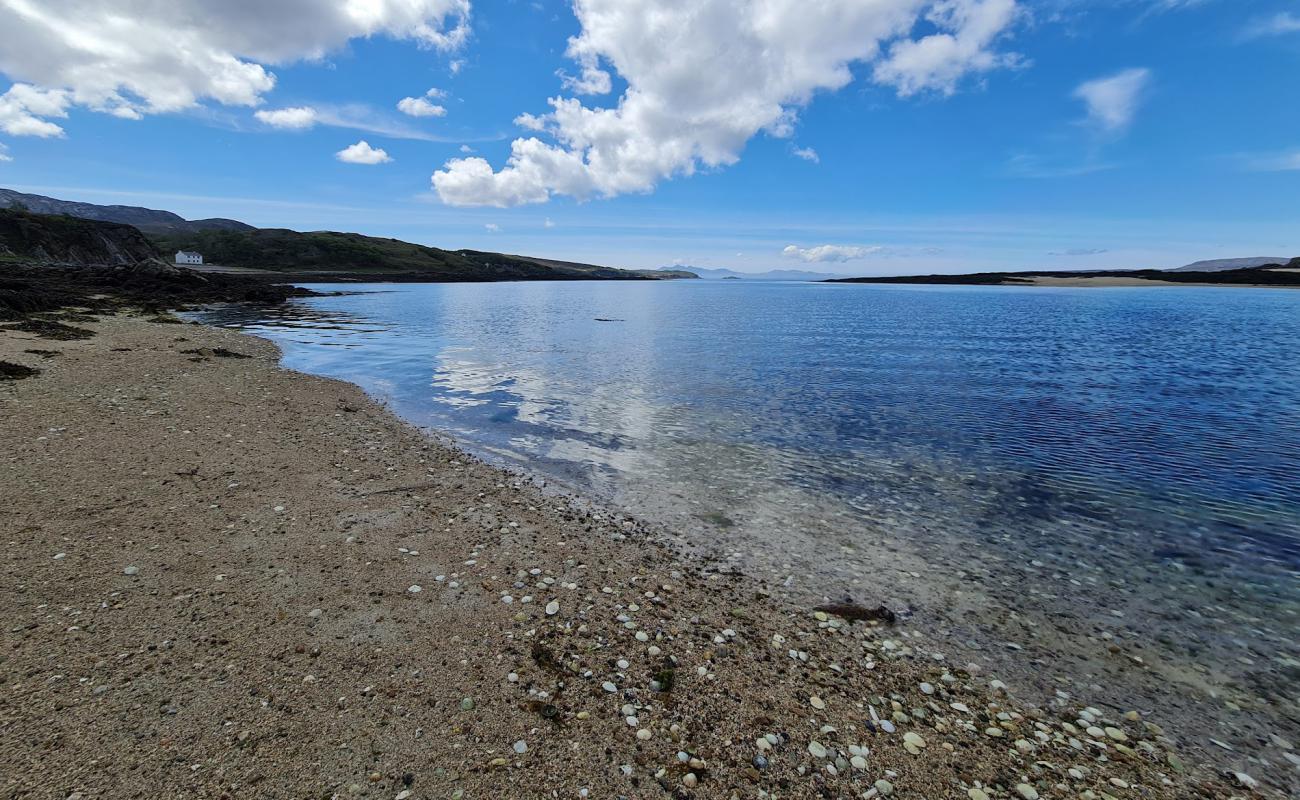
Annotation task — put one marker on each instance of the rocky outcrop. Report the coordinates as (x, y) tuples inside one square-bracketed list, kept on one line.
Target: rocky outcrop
[(50, 239)]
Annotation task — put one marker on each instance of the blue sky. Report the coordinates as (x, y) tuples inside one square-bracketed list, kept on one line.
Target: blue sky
[(883, 137)]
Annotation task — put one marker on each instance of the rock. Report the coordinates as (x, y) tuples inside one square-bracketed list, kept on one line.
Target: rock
[(131, 571), (884, 787), (415, 588), (816, 749), (1026, 791), (817, 703), (977, 794), (552, 608), (467, 704), (520, 747), (912, 742)]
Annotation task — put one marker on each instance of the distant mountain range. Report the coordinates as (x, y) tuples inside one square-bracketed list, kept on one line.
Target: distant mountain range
[(1224, 264), (770, 275), (146, 219)]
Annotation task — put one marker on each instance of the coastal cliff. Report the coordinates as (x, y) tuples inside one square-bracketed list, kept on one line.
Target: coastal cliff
[(54, 239)]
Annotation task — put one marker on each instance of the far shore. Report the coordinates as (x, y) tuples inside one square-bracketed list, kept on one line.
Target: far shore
[(225, 578)]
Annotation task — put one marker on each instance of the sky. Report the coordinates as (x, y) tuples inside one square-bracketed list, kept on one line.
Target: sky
[(858, 137)]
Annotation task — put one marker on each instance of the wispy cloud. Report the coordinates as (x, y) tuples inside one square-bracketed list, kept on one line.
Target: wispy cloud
[(1280, 24), (807, 154), (1081, 251), (492, 227), (1286, 161), (1028, 165), (833, 253), (1112, 102)]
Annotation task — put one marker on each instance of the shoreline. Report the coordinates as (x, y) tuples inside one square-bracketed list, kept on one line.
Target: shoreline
[(230, 572)]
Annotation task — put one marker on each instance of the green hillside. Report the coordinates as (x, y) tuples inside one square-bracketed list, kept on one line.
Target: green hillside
[(284, 250)]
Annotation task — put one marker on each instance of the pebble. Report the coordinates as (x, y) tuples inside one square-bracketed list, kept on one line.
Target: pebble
[(912, 742), (467, 704), (977, 794), (884, 787), (131, 571), (1026, 791), (552, 608), (817, 703), (415, 588), (816, 749), (521, 747)]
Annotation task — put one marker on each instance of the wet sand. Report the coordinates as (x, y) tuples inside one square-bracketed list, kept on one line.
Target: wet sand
[(226, 579)]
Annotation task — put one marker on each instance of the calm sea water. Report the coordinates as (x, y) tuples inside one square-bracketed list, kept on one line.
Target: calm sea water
[(1168, 418)]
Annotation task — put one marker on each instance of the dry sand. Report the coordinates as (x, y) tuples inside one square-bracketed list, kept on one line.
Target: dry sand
[(223, 579)]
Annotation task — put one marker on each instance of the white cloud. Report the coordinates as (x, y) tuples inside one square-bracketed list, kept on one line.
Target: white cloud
[(1280, 24), (966, 32), (421, 106), (295, 118), (23, 109), (492, 227), (1113, 101), (764, 60), (4, 155), (466, 148), (362, 153), (823, 253), (807, 154), (135, 57), (548, 223), (1080, 251), (1276, 162)]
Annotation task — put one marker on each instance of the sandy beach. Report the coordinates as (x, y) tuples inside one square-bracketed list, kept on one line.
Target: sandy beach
[(227, 579)]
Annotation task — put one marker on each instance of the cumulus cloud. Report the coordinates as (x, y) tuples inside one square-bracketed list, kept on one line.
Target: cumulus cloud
[(423, 106), (1113, 101), (296, 118), (807, 154), (24, 110), (362, 153), (824, 253), (963, 44), (136, 57), (764, 60)]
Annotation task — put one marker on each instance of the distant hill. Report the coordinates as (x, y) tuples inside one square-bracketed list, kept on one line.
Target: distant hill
[(1280, 275), (770, 275), (50, 239), (356, 255), (323, 254), (1222, 264), (146, 219)]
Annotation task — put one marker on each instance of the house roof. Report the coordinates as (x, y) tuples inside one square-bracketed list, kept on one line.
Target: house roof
[(186, 253)]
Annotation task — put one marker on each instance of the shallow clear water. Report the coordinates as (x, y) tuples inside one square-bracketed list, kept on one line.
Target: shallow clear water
[(1088, 491), (1169, 413)]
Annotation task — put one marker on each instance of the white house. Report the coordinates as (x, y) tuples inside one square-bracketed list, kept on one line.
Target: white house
[(186, 257)]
